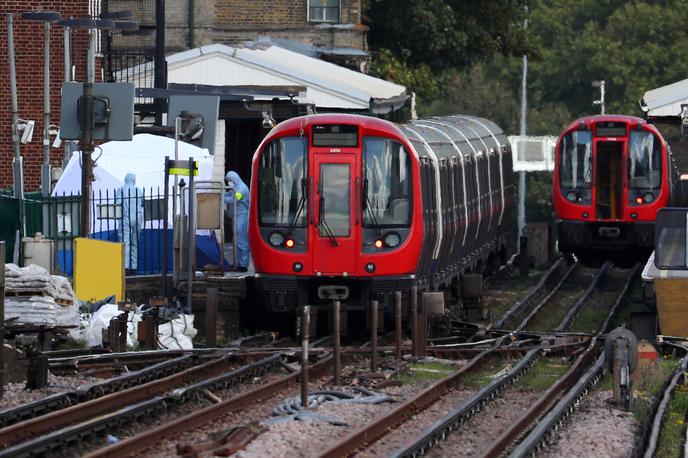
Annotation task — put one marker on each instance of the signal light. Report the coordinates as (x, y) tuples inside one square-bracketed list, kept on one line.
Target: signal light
[(378, 244), (290, 243)]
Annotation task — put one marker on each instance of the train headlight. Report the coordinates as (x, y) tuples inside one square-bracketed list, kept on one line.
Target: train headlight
[(289, 243), (276, 239), (639, 200), (648, 197), (378, 244), (392, 239), (571, 196)]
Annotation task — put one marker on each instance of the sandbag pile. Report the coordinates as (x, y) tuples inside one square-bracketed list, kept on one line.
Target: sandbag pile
[(34, 297)]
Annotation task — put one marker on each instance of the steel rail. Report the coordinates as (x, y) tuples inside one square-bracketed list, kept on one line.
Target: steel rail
[(573, 311), (136, 444), (438, 431), (535, 291), (544, 403), (658, 419), (468, 408), (54, 439), (401, 413), (34, 427), (566, 396)]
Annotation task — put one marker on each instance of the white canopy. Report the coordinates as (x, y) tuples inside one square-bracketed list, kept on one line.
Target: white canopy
[(665, 101), (143, 156)]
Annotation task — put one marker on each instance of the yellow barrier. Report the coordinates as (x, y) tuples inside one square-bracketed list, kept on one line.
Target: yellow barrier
[(98, 269)]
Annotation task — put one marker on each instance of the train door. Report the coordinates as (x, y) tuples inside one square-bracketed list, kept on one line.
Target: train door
[(609, 179), (334, 211)]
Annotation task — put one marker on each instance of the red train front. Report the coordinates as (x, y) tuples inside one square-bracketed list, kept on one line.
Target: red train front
[(335, 199), (612, 174)]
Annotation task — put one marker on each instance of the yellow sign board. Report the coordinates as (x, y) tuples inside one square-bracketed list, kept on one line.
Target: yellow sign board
[(178, 167), (98, 269)]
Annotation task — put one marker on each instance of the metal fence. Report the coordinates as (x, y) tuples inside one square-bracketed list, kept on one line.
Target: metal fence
[(134, 217)]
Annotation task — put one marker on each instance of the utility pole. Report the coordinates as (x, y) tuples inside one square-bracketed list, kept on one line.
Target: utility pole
[(522, 133), (160, 77)]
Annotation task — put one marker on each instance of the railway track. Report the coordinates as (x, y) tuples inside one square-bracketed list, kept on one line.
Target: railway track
[(64, 427), (470, 407)]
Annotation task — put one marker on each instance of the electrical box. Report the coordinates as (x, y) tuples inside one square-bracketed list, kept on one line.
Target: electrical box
[(39, 251)]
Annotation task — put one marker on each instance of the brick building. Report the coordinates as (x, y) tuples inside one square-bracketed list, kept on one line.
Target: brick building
[(28, 43), (328, 29)]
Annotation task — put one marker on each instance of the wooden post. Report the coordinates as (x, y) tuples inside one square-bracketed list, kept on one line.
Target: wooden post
[(373, 337), (211, 318), (397, 303), (304, 355), (337, 344)]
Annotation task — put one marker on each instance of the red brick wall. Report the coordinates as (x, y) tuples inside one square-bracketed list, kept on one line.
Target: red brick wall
[(28, 43)]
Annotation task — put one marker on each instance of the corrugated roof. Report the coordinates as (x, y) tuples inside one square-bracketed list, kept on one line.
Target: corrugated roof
[(329, 85), (666, 100)]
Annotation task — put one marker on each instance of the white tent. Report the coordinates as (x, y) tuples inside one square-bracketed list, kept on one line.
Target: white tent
[(143, 156)]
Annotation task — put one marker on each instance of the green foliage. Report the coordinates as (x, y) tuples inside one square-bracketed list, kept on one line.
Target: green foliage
[(446, 33)]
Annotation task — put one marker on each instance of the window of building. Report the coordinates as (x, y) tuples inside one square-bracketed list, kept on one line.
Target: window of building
[(323, 10)]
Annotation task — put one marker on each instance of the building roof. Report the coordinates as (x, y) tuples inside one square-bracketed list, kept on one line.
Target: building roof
[(665, 101), (261, 63)]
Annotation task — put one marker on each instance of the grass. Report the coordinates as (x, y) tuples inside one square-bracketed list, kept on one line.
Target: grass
[(555, 310), (485, 374), (543, 374), (672, 434), (503, 293), (593, 314), (649, 386), (425, 371)]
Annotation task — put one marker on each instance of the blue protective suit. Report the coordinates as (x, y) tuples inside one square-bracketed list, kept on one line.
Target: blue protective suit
[(131, 199), (241, 197)]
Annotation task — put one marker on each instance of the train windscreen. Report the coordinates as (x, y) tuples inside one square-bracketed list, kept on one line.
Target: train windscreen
[(575, 166), (282, 185), (386, 198), (644, 161)]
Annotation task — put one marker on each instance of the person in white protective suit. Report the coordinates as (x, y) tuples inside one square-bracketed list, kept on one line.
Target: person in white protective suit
[(131, 199), (240, 196)]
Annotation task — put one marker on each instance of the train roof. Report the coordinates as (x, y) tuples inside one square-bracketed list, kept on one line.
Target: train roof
[(587, 120), (368, 122)]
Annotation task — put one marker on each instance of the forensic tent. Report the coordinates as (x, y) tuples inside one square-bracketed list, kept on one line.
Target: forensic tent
[(144, 156)]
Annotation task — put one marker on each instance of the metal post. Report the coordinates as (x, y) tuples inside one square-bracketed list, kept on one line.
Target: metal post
[(414, 320), (337, 344), (190, 242), (86, 164), (165, 238), (397, 303), (160, 77), (373, 338), (211, 318), (522, 174), (305, 330), (69, 145), (2, 318), (17, 169), (45, 175), (235, 256)]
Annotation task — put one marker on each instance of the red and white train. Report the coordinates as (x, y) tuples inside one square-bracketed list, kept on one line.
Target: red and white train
[(612, 174), (353, 207)]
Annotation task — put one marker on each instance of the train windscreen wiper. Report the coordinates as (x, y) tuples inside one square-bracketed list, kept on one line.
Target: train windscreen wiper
[(323, 226), (369, 208), (299, 208)]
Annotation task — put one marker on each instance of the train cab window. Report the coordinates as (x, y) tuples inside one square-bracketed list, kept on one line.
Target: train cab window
[(644, 161), (386, 197), (282, 183), (575, 166)]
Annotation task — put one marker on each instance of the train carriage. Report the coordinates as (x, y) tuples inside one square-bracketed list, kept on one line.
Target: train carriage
[(351, 207), (612, 174)]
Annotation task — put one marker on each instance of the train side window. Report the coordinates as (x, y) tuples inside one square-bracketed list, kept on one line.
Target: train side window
[(644, 161), (575, 165)]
